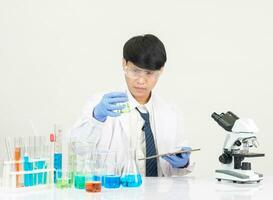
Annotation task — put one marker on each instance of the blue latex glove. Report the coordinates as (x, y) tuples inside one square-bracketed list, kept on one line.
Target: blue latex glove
[(107, 105), (179, 160)]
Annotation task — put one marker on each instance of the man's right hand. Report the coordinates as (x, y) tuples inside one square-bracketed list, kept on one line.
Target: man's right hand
[(107, 105)]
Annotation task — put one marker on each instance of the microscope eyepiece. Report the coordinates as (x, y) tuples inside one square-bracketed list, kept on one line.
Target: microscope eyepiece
[(225, 120), (215, 116)]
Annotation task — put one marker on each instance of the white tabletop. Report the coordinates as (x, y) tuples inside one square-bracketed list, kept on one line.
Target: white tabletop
[(184, 188)]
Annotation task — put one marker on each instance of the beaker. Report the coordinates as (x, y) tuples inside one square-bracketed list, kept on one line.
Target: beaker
[(94, 179), (130, 175), (63, 179), (126, 108), (111, 179), (83, 153)]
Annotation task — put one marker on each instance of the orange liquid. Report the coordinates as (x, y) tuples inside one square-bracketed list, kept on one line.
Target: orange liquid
[(17, 156), (94, 186)]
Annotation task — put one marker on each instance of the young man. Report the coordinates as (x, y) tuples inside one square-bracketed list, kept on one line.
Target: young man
[(151, 127)]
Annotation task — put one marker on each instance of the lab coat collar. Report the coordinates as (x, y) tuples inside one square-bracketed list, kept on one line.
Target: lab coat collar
[(134, 104)]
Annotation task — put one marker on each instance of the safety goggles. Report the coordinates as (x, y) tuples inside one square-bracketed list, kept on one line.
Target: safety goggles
[(136, 72)]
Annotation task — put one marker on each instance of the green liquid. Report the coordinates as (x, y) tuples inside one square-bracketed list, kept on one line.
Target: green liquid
[(126, 109), (64, 183)]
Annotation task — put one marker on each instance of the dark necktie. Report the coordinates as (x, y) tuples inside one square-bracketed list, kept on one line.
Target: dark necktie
[(151, 164)]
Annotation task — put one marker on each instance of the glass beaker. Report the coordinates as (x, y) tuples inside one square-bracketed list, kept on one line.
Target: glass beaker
[(95, 181), (83, 152), (79, 175), (64, 179), (126, 108), (111, 179), (130, 174)]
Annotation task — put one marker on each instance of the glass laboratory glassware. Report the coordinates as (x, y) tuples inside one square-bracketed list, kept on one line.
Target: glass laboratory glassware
[(83, 152), (126, 108), (111, 179), (1, 172), (131, 176), (100, 166), (29, 162), (57, 151), (64, 179), (40, 162), (17, 159), (94, 182), (92, 179)]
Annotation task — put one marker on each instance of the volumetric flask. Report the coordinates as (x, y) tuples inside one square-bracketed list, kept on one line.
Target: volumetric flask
[(130, 175)]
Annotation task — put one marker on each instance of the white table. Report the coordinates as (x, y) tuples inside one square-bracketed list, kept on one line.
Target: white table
[(184, 188)]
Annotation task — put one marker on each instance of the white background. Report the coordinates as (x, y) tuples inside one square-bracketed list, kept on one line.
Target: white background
[(55, 53)]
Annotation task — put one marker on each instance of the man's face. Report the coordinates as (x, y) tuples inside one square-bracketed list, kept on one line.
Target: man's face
[(140, 81)]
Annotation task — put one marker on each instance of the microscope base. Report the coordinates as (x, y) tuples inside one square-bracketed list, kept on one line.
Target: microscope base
[(238, 176)]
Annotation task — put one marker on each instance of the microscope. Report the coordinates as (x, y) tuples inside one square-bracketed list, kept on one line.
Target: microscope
[(240, 138)]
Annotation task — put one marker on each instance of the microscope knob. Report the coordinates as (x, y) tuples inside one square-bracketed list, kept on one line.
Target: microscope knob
[(225, 158), (246, 166), (238, 143)]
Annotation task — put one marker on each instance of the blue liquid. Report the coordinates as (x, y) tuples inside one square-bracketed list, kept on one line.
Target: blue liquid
[(102, 180), (96, 178), (79, 182), (40, 165), (26, 176), (131, 180), (57, 163), (45, 177), (34, 175), (111, 181), (30, 176)]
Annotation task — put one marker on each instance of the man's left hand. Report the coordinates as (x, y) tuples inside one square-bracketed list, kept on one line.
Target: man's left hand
[(179, 160)]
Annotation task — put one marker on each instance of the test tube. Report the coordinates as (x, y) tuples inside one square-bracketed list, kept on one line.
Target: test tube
[(6, 165), (40, 162), (45, 156), (8, 148), (17, 158), (1, 172), (26, 161), (30, 161)]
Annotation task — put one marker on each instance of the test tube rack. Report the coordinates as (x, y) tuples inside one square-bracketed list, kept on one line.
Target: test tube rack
[(36, 178)]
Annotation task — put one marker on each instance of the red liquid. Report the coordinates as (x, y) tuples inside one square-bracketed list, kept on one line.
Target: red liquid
[(94, 186)]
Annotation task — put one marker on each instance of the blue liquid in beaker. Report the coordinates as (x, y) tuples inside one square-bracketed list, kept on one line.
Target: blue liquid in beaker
[(111, 181), (96, 178), (102, 180), (131, 180)]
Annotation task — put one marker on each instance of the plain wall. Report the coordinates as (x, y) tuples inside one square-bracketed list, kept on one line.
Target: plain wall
[(55, 53)]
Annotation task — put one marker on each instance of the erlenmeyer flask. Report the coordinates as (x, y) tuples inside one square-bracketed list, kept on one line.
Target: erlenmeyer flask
[(130, 175)]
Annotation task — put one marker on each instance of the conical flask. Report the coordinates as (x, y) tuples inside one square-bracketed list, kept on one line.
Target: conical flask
[(130, 175)]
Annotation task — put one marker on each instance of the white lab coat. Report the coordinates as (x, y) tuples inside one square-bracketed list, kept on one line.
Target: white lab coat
[(116, 133)]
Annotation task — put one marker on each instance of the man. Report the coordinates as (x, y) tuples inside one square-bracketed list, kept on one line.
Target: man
[(151, 127)]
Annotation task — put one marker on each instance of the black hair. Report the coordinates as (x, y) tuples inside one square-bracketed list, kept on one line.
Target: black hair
[(145, 51)]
